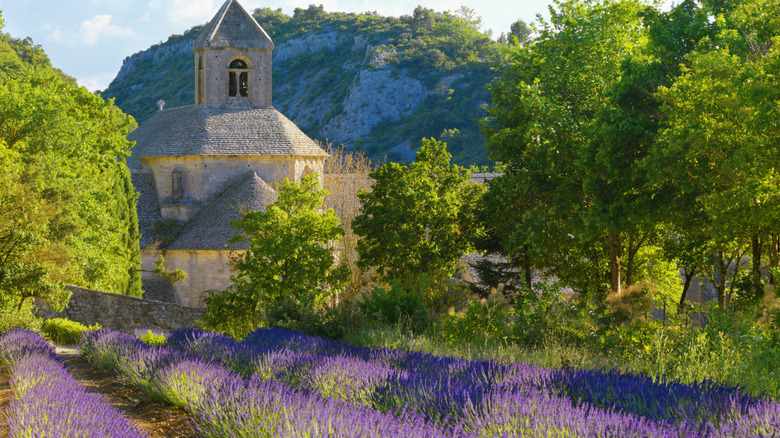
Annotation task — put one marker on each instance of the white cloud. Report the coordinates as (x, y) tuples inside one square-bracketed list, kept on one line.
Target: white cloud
[(98, 82), (192, 11), (100, 27)]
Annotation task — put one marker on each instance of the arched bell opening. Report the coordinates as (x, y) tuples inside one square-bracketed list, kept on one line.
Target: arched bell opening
[(238, 78)]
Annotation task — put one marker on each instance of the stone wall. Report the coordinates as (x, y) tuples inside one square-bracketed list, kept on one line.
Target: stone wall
[(121, 312)]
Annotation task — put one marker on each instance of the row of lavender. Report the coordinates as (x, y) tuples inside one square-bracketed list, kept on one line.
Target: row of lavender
[(279, 383), (47, 400), (485, 396)]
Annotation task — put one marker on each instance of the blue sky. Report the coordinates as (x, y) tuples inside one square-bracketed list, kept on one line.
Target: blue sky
[(88, 39)]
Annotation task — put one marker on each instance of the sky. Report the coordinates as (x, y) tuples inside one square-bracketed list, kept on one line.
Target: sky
[(89, 39)]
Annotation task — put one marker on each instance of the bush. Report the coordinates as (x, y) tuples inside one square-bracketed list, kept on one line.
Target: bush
[(65, 331), (541, 312), (331, 322), (12, 317), (151, 338), (401, 304), (483, 321)]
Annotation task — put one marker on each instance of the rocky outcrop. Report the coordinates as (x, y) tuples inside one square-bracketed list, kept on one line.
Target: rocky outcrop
[(157, 54), (306, 45), (374, 96)]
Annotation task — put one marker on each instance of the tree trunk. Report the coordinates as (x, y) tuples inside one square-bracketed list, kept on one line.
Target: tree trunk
[(615, 255), (630, 264), (633, 249), (721, 284), (756, 262), (686, 285), (774, 258), (527, 266)]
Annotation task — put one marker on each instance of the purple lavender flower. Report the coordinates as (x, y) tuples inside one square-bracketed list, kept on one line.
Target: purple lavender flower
[(47, 400)]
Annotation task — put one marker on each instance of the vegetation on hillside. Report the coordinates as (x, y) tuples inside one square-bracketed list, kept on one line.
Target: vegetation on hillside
[(67, 207), (445, 51)]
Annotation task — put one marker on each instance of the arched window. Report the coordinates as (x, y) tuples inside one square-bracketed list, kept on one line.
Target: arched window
[(239, 80), (200, 79)]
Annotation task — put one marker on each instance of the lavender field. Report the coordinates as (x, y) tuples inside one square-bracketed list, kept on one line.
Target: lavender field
[(280, 383)]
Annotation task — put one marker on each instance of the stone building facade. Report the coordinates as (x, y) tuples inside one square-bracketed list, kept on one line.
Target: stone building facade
[(206, 164)]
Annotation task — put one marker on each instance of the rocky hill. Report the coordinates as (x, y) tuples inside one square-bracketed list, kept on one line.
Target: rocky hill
[(377, 84)]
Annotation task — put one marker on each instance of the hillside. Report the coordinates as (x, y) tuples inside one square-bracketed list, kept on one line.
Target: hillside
[(378, 84)]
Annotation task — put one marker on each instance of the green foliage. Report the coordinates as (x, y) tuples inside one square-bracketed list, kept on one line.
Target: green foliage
[(67, 206), (167, 230), (400, 304), (19, 317), (483, 321), (153, 339), (125, 213), (418, 219), (232, 312), (65, 331), (290, 262), (331, 322), (175, 276)]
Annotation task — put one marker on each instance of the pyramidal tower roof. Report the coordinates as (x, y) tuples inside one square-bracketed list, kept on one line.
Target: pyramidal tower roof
[(233, 27)]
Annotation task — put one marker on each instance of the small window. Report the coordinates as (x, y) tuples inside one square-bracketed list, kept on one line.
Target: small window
[(233, 87), (243, 84), (177, 189)]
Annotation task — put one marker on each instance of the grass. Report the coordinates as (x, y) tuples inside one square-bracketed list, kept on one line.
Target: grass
[(688, 356)]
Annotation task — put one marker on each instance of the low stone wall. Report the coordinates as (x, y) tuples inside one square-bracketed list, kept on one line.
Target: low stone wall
[(121, 312)]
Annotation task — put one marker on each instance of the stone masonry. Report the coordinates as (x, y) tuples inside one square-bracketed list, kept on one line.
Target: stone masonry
[(122, 313)]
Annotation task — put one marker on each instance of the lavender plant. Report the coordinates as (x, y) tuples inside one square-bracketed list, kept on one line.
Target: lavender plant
[(47, 400)]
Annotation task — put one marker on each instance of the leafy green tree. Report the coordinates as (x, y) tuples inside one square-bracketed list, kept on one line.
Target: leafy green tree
[(541, 121), (521, 31), (720, 117), (418, 219), (67, 146), (31, 258), (290, 260)]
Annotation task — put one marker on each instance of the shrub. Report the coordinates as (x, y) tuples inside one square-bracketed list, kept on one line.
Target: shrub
[(400, 304), (13, 317), (151, 338), (482, 322), (65, 331)]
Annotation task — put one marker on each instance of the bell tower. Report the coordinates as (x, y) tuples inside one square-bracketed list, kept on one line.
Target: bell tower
[(233, 59)]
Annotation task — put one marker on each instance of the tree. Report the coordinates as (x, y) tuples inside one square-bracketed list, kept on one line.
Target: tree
[(423, 18), (31, 258), (540, 123), (718, 148), (521, 31), (469, 16), (68, 147), (290, 260), (418, 219)]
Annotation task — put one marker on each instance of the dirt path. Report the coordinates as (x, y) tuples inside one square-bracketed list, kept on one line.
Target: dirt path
[(5, 398), (157, 418)]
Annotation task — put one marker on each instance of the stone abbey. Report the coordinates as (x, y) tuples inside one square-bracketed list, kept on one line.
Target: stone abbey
[(206, 164)]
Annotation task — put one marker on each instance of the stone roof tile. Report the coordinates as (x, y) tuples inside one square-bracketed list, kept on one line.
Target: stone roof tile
[(147, 207), (236, 128), (211, 228), (233, 27)]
